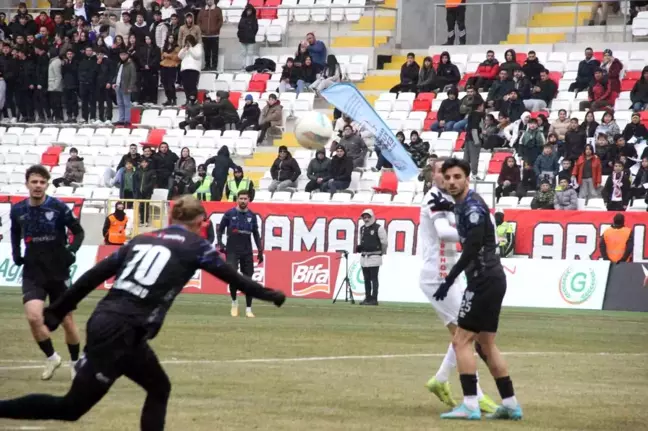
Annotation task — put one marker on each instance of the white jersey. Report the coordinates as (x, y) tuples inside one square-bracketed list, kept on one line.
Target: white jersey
[(439, 251)]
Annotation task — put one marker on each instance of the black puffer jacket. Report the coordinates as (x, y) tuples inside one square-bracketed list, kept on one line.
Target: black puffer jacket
[(222, 164), (319, 168), (251, 112), (106, 72), (286, 169), (248, 26), (70, 73), (165, 166), (639, 92), (87, 70), (341, 168), (409, 73), (149, 55), (447, 73)]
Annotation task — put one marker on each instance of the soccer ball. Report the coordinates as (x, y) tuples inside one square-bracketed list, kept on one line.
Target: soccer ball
[(313, 130)]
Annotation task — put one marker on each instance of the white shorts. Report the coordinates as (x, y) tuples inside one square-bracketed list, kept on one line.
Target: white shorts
[(448, 309)]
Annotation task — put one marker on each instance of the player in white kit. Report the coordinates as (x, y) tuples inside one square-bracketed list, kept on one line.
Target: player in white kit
[(439, 238)]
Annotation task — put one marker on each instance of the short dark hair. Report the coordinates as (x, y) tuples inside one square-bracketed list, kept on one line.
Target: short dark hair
[(347, 126), (272, 96), (531, 52), (490, 51), (411, 54), (37, 170), (243, 193), (562, 110), (619, 162), (454, 162)]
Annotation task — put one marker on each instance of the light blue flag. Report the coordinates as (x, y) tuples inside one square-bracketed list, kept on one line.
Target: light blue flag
[(352, 103)]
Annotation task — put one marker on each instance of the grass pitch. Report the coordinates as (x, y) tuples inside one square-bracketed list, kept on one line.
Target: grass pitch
[(312, 365)]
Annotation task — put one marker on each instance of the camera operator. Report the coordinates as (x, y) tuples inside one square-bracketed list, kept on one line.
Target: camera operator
[(372, 245), (182, 185)]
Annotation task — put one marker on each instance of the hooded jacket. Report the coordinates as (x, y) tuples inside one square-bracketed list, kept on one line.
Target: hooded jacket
[(566, 199), (186, 165), (222, 164), (368, 260), (513, 109), (341, 167), (532, 69), (419, 151), (165, 165), (586, 70), (319, 168), (449, 110), (272, 114), (210, 20), (509, 66), (286, 169), (149, 55), (251, 113), (574, 144), (427, 75), (248, 26), (409, 73), (546, 163), (70, 74), (448, 71), (292, 74), (639, 93), (187, 30), (144, 181), (355, 148)]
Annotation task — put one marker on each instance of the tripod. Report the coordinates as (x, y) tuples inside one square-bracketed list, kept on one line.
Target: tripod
[(346, 284)]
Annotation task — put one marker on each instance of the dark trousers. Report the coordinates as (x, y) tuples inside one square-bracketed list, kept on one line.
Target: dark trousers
[(246, 263), (210, 45), (504, 191), (41, 104), (144, 211), (127, 194), (10, 101), (456, 15), (148, 93), (578, 86), (56, 104), (479, 82), (615, 206), (24, 97), (88, 101), (71, 103), (58, 182), (370, 274), (313, 185), (248, 124), (168, 82), (190, 83), (403, 88), (216, 189), (105, 103), (263, 128)]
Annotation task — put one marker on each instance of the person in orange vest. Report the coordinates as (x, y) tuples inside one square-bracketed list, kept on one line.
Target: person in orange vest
[(616, 242), (456, 14), (114, 229)]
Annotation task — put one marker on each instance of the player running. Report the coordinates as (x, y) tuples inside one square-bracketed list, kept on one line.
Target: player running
[(151, 271), (439, 238), (482, 299), (41, 220), (241, 224)]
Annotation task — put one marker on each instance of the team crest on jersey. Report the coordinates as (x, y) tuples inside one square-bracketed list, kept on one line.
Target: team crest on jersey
[(49, 215), (473, 217), (249, 219)]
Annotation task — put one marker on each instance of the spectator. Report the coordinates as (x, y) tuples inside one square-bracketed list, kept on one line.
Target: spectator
[(490, 133), (532, 142), (574, 143), (191, 56), (543, 125), (70, 86), (599, 95), (427, 173), (222, 164), (640, 182), (148, 59), (133, 156), (284, 171), (87, 73), (248, 28), (613, 68), (609, 127), (529, 181), (546, 165), (522, 84), (179, 185), (54, 87), (106, 70), (486, 73), (318, 172), (301, 54), (354, 146), (149, 154), (448, 113), (471, 99), (603, 151), (419, 151), (40, 89), (508, 179), (382, 161), (621, 149), (567, 172), (74, 170), (447, 73), (515, 130), (238, 184), (174, 27), (589, 125), (635, 130), (341, 169), (427, 77), (221, 113), (144, 181), (505, 235), (210, 21), (499, 90), (307, 76), (166, 161), (158, 29), (125, 84), (186, 164), (250, 115), (123, 27), (472, 145), (190, 29), (331, 74), (126, 179), (542, 93), (510, 63), (532, 68), (512, 106), (566, 197), (167, 10), (316, 50), (561, 125), (140, 29), (114, 228), (409, 76), (290, 74), (271, 115), (544, 198), (639, 93), (616, 192), (586, 69), (203, 185), (169, 69)]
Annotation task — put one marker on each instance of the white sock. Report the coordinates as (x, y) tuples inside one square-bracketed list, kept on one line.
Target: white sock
[(447, 365), (55, 356), (480, 393), (248, 309), (510, 402), (471, 402)]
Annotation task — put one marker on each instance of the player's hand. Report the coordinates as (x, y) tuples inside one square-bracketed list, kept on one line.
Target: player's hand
[(260, 256), (18, 260), (221, 247), (50, 319), (439, 203), (442, 291)]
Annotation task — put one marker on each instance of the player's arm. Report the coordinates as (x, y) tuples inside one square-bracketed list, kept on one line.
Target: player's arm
[(74, 225), (210, 261), (628, 250), (224, 223), (444, 229), (16, 233), (471, 246), (603, 248), (257, 238)]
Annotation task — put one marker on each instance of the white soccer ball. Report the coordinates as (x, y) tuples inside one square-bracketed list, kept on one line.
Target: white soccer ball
[(313, 130)]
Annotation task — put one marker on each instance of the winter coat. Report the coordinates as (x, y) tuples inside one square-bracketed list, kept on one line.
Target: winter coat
[(286, 169), (449, 110), (185, 31), (635, 130), (499, 89), (70, 75), (319, 168), (187, 166), (468, 102), (639, 93), (523, 86), (560, 128), (222, 164), (192, 58), (531, 145), (543, 200), (74, 170), (625, 188), (611, 129), (409, 73), (513, 109), (149, 55), (106, 71), (566, 199), (355, 148), (128, 83), (374, 259), (140, 32), (613, 75), (292, 74), (251, 113), (210, 20), (55, 75), (447, 73), (586, 70), (427, 75), (272, 114), (532, 69), (627, 150), (135, 160), (546, 163), (513, 131), (589, 128), (529, 180), (599, 91), (488, 69), (509, 174), (42, 68), (170, 58), (419, 151), (144, 181), (548, 90), (87, 71), (596, 170), (248, 26), (341, 168), (47, 23), (574, 144), (165, 165), (641, 178), (509, 66), (309, 73)]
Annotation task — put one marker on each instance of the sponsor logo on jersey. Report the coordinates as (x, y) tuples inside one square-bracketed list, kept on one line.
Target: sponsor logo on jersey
[(311, 275)]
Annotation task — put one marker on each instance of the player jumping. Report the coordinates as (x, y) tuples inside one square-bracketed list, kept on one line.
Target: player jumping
[(150, 271), (482, 299), (41, 220), (439, 238)]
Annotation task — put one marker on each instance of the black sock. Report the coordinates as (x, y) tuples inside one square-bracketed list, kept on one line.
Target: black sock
[(248, 301), (505, 387), (74, 351), (468, 384), (233, 293), (481, 353), (47, 347)]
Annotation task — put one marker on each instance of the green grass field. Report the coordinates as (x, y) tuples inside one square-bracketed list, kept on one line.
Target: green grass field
[(312, 365)]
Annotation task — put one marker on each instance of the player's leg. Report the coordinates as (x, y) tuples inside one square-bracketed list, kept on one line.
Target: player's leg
[(232, 259), (143, 368), (247, 268), (72, 339)]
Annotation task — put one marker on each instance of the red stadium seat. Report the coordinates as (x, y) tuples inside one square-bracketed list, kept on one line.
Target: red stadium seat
[(155, 137), (598, 55), (494, 166), (464, 79), (421, 105), (261, 77), (555, 77), (267, 14), (643, 115), (431, 116), (520, 57), (48, 159), (54, 149), (388, 183), (234, 97), (426, 96), (256, 3), (201, 95), (633, 75), (536, 113), (628, 84), (462, 136), (500, 156), (459, 143), (269, 3), (427, 124), (136, 115), (436, 59), (257, 86)]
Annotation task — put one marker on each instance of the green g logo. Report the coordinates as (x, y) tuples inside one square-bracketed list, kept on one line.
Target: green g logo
[(356, 278), (576, 287)]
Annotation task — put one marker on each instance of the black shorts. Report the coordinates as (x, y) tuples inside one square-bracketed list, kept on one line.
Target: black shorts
[(41, 290), (482, 302), (244, 261)]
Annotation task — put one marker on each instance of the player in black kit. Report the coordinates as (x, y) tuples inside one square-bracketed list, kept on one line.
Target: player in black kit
[(41, 221), (482, 300), (150, 271), (241, 224)]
